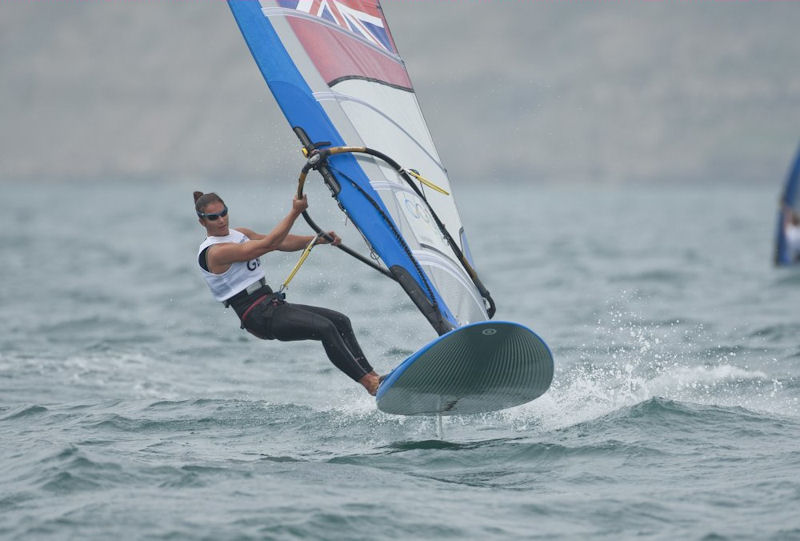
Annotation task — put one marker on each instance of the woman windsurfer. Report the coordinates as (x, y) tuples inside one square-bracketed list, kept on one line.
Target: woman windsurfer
[(229, 261)]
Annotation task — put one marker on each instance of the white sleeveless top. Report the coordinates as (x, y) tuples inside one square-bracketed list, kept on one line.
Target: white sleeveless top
[(238, 276)]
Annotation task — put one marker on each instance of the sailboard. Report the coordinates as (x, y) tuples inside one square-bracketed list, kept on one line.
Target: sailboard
[(335, 72), (789, 203)]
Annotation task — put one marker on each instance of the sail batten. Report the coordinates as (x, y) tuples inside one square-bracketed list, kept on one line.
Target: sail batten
[(341, 98)]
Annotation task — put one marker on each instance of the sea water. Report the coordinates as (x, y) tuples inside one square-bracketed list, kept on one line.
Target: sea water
[(133, 407)]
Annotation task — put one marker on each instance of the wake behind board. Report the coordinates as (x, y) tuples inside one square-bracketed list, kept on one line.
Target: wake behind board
[(477, 368)]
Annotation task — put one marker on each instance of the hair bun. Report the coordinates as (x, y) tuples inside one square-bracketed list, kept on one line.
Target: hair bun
[(197, 195)]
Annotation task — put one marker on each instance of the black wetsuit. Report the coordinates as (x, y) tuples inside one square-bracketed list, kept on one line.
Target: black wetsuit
[(266, 315)]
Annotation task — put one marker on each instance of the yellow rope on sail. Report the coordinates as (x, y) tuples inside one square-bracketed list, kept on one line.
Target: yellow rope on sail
[(426, 182), (300, 262)]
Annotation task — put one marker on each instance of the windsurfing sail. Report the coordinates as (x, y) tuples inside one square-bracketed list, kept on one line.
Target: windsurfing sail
[(786, 253), (334, 69)]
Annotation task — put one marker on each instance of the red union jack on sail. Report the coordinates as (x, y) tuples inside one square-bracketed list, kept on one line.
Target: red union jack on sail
[(361, 18), (347, 39)]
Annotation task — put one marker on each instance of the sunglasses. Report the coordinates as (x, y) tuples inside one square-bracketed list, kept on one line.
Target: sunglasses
[(213, 217)]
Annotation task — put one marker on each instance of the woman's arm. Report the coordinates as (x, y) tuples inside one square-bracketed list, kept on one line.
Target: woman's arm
[(294, 243), (220, 256)]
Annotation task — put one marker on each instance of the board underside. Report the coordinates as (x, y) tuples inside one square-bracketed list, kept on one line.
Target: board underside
[(478, 368)]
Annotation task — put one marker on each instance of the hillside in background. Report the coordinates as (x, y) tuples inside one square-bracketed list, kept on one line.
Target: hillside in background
[(525, 91)]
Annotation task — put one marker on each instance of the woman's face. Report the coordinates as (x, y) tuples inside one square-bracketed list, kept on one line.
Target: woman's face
[(215, 217)]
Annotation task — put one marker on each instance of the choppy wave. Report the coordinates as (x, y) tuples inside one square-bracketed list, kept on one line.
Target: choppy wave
[(132, 406)]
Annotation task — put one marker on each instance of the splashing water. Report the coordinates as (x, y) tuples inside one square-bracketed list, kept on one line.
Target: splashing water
[(633, 361)]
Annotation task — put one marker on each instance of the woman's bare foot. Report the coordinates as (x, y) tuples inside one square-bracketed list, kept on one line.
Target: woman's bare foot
[(370, 382)]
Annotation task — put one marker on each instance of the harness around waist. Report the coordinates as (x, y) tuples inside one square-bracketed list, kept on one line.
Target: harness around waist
[(259, 287)]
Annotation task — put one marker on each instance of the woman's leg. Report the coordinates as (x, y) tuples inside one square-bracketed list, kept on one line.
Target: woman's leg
[(342, 323), (300, 322)]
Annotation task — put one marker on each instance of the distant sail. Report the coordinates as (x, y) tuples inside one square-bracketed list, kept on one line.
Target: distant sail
[(334, 70), (790, 201)]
